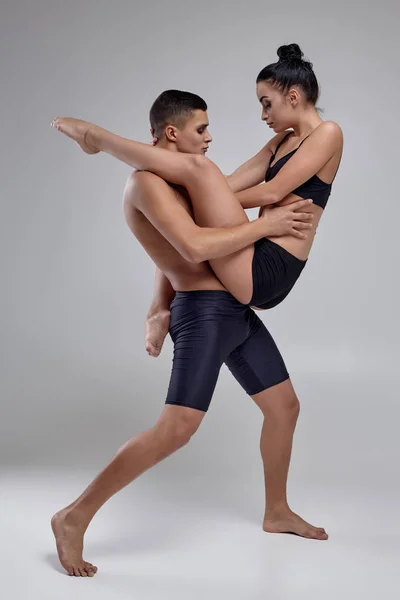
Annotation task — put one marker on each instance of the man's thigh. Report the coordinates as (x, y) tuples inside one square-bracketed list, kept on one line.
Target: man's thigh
[(205, 327), (257, 363)]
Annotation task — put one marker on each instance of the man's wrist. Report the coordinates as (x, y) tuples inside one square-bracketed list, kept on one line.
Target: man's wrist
[(266, 227)]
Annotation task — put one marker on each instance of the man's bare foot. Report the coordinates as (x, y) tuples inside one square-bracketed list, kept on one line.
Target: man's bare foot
[(69, 540), (157, 327), (287, 521), (77, 130)]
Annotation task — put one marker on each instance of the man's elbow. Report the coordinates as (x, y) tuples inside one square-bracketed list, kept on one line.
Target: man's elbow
[(194, 251), (194, 255)]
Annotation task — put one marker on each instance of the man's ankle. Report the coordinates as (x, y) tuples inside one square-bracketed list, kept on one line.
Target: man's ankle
[(276, 508)]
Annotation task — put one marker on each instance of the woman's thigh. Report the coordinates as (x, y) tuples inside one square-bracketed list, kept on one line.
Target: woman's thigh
[(215, 205)]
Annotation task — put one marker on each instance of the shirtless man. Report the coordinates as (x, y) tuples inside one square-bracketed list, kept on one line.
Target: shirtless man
[(208, 327)]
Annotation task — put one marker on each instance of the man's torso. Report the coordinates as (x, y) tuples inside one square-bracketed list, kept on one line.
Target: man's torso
[(183, 275)]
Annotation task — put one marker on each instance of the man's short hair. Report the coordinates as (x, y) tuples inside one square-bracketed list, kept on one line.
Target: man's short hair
[(174, 107)]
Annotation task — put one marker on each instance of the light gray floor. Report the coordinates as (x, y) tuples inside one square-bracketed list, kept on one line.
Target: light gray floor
[(191, 528)]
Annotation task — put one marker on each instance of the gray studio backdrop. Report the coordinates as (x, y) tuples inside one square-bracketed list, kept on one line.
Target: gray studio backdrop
[(75, 285)]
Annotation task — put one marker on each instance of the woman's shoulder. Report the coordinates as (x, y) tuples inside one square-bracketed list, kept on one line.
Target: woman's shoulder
[(329, 128)]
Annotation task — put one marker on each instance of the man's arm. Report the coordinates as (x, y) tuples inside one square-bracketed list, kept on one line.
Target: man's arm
[(318, 148), (163, 293), (158, 316), (156, 200)]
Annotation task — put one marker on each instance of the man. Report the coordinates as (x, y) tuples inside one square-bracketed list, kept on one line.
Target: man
[(208, 327)]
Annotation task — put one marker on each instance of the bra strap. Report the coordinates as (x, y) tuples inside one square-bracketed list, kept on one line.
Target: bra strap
[(303, 140), (281, 142)]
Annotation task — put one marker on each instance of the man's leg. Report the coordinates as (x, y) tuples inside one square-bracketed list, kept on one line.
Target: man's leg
[(259, 368), (172, 431), (280, 407)]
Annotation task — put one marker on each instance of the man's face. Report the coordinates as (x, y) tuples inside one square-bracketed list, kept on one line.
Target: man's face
[(194, 138)]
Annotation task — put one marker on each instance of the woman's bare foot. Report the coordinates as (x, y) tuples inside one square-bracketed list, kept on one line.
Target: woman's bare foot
[(77, 130), (286, 521), (69, 541), (157, 326)]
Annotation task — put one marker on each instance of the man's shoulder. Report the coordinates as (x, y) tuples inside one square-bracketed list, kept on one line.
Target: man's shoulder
[(142, 184), (144, 181), (144, 178)]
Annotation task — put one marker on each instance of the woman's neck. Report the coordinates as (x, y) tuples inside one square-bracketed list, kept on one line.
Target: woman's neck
[(307, 122)]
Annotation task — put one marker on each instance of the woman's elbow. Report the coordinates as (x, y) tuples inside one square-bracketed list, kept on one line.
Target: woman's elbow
[(271, 197)]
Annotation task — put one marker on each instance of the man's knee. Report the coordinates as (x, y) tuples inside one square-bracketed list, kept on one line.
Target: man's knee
[(280, 400), (294, 406), (178, 424)]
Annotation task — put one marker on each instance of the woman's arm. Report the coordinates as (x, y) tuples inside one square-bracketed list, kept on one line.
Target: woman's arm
[(252, 172), (324, 142)]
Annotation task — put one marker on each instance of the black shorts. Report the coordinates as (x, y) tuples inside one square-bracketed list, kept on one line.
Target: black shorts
[(275, 271), (209, 328)]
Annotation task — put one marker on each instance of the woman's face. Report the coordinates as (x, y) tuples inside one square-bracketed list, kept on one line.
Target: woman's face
[(277, 111)]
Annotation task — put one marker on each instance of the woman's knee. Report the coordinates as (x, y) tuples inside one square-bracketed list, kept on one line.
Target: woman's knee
[(200, 166)]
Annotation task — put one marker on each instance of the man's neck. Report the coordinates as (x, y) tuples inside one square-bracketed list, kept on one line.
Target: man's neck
[(166, 146)]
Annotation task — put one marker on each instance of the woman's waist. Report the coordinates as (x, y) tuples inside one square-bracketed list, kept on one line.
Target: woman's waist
[(298, 248)]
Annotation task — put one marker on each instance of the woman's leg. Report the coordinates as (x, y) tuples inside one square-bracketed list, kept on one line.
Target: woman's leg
[(213, 202)]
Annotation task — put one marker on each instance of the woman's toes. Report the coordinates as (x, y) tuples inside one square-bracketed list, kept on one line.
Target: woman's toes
[(321, 533)]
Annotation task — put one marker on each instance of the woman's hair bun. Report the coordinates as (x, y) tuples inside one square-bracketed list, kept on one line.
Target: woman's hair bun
[(290, 52)]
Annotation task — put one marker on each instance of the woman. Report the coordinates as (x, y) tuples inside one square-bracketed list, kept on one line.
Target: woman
[(301, 162)]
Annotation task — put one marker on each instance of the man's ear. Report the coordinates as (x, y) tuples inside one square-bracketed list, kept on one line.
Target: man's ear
[(155, 139), (171, 133)]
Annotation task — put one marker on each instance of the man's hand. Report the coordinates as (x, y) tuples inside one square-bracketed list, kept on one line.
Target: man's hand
[(289, 220)]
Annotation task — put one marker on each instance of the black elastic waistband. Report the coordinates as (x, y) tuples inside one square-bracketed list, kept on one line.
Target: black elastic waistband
[(203, 294), (282, 251), (214, 297)]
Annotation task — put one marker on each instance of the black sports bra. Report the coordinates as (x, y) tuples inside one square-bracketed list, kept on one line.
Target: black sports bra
[(316, 189)]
